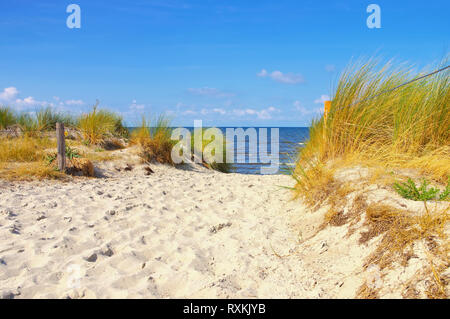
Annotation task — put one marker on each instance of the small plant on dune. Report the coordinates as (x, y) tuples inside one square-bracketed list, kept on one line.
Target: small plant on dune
[(222, 166), (157, 144), (70, 154), (155, 141), (50, 158), (445, 195), (119, 129), (409, 190), (142, 133), (97, 124), (7, 117)]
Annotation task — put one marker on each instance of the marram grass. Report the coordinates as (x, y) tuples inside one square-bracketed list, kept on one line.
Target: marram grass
[(408, 127), (98, 124), (7, 117), (155, 140)]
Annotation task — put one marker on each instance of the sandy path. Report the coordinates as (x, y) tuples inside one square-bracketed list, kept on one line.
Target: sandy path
[(175, 233)]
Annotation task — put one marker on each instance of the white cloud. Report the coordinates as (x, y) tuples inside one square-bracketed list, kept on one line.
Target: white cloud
[(9, 94), (214, 110), (288, 78), (264, 114), (74, 102), (135, 106), (306, 111), (206, 91), (29, 102), (322, 99), (220, 111), (263, 73)]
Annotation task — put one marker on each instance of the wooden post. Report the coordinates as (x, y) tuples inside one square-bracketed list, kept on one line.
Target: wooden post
[(61, 146)]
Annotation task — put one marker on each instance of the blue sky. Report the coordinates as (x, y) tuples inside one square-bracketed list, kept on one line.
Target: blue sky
[(228, 63)]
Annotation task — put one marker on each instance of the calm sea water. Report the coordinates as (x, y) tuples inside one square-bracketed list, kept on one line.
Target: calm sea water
[(290, 141)]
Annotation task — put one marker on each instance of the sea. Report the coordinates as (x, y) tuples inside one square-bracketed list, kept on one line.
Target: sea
[(290, 141)]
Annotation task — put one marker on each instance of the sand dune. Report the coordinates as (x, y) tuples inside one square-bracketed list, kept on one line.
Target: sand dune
[(176, 233)]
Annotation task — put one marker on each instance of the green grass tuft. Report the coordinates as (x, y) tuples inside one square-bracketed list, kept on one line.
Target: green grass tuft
[(409, 190), (7, 117)]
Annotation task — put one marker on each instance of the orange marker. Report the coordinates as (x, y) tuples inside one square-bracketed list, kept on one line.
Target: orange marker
[(327, 107)]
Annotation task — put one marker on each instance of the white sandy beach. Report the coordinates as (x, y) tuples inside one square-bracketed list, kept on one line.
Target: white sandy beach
[(176, 233)]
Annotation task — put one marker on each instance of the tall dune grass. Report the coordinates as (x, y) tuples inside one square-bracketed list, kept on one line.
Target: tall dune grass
[(155, 140), (43, 119), (46, 119), (98, 124), (223, 167), (406, 127), (7, 117)]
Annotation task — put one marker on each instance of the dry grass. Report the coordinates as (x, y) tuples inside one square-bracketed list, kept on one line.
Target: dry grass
[(396, 233), (99, 156), (112, 143), (314, 184), (98, 124), (23, 158), (142, 133), (366, 292), (401, 229), (155, 141), (24, 149), (29, 171), (406, 128), (158, 149)]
